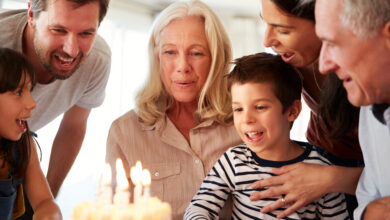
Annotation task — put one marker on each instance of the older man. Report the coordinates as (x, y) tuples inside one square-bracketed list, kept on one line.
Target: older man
[(356, 45)]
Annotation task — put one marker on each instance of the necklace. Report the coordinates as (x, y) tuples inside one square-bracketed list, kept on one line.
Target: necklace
[(315, 78)]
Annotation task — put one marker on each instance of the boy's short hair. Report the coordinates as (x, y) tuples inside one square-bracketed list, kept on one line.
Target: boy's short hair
[(265, 67)]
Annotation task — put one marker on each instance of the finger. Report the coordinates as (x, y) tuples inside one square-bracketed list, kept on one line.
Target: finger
[(272, 181), (275, 205), (291, 208), (269, 193)]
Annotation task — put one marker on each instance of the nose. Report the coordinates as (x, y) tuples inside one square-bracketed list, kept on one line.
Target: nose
[(248, 117), (326, 63), (269, 37), (183, 65), (71, 45), (30, 102)]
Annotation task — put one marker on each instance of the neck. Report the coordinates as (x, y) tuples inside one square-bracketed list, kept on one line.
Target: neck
[(182, 116), (313, 80), (41, 74), (286, 151)]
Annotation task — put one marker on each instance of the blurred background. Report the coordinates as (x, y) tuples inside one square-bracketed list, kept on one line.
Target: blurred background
[(126, 28)]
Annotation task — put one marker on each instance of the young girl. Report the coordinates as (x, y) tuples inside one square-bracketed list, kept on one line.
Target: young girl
[(19, 163)]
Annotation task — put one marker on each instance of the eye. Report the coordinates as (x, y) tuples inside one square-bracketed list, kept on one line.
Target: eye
[(87, 34), (169, 52), (261, 107), (18, 92), (58, 30), (283, 32), (237, 109), (196, 53)]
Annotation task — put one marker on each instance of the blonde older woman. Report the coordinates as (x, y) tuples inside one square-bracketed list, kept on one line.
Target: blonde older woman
[(180, 126)]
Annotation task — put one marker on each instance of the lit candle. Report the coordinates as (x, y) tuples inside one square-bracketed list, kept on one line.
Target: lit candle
[(122, 194), (105, 192), (146, 180), (136, 178)]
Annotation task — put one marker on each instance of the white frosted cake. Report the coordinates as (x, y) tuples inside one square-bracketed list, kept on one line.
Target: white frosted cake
[(148, 209)]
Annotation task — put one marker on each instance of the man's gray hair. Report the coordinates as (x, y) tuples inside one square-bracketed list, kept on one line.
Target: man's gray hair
[(364, 17)]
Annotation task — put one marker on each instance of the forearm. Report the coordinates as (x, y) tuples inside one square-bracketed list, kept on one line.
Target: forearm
[(47, 209), (66, 147), (344, 179)]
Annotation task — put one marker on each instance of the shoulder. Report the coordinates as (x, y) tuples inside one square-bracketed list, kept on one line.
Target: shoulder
[(8, 15), (240, 152), (101, 47), (314, 154), (129, 117)]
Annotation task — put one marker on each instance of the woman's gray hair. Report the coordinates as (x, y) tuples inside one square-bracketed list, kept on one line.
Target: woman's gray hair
[(365, 18), (153, 100)]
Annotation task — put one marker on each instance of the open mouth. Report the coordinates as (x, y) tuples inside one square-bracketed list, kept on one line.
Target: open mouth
[(287, 57), (254, 136), (22, 125), (65, 61)]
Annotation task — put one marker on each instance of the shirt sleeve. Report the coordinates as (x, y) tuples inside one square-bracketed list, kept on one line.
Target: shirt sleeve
[(99, 65), (332, 206), (214, 191), (365, 193)]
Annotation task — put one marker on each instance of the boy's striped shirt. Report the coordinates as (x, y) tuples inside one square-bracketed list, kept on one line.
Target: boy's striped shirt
[(237, 169)]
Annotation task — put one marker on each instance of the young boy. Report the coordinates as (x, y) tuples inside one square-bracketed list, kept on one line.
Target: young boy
[(266, 96)]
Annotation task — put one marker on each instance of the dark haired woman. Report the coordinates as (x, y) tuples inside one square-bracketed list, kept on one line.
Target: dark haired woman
[(333, 122)]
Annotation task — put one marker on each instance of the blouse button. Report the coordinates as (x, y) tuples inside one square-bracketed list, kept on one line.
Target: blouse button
[(156, 174)]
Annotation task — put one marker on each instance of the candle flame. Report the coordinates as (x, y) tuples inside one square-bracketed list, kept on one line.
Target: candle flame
[(106, 178), (121, 179), (136, 173), (146, 180)]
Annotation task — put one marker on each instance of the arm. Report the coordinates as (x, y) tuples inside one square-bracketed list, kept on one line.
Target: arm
[(66, 146), (378, 209), (303, 183), (212, 195), (38, 191)]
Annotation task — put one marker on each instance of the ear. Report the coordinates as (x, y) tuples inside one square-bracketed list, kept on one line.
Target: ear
[(30, 15), (294, 110), (386, 34)]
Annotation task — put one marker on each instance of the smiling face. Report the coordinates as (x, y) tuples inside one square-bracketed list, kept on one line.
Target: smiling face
[(184, 58), (292, 37), (362, 64), (15, 109), (64, 35), (259, 120)]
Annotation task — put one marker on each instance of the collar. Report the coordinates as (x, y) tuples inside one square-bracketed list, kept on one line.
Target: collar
[(379, 112)]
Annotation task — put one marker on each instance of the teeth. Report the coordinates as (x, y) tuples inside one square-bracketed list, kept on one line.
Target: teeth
[(64, 59), (250, 134)]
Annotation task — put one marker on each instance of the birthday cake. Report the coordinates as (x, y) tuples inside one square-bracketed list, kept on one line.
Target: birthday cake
[(145, 207), (150, 209)]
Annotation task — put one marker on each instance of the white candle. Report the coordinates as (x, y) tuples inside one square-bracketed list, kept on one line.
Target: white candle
[(105, 192), (146, 180), (122, 194), (136, 178)]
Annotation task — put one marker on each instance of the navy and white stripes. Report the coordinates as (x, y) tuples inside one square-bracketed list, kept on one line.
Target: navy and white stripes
[(237, 169)]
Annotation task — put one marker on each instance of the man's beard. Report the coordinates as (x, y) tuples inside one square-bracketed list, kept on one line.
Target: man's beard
[(57, 74)]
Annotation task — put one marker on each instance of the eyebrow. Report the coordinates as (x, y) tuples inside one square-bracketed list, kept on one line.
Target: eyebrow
[(63, 27), (277, 25), (256, 100)]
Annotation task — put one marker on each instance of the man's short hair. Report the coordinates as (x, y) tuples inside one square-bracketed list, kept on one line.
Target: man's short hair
[(41, 5), (365, 18)]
